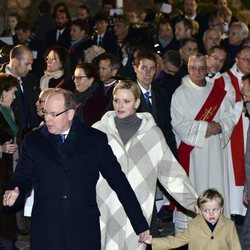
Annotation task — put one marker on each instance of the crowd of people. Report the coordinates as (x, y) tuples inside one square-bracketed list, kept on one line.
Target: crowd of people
[(102, 115)]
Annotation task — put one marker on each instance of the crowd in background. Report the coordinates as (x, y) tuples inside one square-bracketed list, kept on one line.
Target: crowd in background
[(162, 52)]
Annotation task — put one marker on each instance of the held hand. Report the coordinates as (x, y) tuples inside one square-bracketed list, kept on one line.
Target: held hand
[(9, 147), (10, 197), (143, 236), (149, 240)]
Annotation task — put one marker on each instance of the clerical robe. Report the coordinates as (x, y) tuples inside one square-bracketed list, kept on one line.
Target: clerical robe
[(236, 190), (207, 167)]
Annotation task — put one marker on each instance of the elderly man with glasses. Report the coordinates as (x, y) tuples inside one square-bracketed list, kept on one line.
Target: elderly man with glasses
[(202, 120)]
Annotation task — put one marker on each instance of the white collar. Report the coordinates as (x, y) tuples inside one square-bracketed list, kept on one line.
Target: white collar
[(145, 90)]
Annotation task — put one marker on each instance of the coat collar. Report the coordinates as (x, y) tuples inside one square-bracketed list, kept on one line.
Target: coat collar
[(63, 152)]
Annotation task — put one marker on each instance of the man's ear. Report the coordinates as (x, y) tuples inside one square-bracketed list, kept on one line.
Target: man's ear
[(114, 72), (71, 114)]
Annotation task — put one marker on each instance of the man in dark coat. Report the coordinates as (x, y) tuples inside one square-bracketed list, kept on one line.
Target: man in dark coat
[(24, 107), (64, 176)]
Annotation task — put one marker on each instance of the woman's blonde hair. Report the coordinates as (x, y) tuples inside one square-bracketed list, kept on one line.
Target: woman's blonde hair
[(129, 85)]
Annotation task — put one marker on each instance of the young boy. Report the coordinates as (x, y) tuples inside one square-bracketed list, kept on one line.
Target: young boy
[(209, 230)]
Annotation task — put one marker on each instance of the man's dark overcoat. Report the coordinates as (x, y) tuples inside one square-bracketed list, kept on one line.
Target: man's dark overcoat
[(65, 215)]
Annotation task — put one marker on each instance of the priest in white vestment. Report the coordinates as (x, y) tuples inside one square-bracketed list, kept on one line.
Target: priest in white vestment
[(207, 168), (239, 69)]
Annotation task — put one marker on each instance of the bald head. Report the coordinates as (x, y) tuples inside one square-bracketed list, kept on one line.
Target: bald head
[(59, 110), (211, 38), (21, 60)]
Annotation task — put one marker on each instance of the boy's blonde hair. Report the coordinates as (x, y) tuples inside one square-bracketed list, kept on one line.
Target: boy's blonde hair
[(208, 195)]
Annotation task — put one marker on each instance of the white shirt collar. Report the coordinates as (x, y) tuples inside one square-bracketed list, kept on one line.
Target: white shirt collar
[(145, 90)]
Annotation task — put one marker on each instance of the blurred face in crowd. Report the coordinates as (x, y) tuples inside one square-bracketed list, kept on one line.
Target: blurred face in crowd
[(235, 37), (243, 61), (23, 36), (217, 23), (105, 71), (180, 32), (132, 17), (145, 72), (165, 31), (190, 48), (245, 90), (61, 20), (106, 8), (225, 14), (101, 26), (190, 7), (120, 29), (211, 39), (82, 13), (124, 103), (8, 97), (76, 33), (41, 102), (216, 60), (197, 69), (12, 22), (221, 4), (81, 80), (170, 68), (53, 62)]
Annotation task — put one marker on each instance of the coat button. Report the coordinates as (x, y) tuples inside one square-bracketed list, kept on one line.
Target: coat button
[(64, 196), (212, 237)]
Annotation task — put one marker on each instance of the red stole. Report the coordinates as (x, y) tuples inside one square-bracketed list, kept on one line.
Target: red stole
[(220, 82), (206, 113), (237, 140)]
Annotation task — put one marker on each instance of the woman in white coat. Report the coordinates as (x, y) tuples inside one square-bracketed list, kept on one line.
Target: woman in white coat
[(144, 156)]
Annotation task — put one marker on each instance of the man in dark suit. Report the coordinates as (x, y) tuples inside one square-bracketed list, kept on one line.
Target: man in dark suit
[(61, 34), (154, 100), (64, 174), (103, 37), (24, 107), (153, 96)]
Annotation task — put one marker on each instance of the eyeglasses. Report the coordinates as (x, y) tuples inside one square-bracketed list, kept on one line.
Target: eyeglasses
[(40, 101), (191, 68), (53, 114), (245, 96), (78, 78), (244, 59), (52, 59), (217, 59)]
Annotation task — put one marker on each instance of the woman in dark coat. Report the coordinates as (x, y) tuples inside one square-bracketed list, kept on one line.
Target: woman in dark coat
[(58, 69), (91, 102), (8, 155)]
